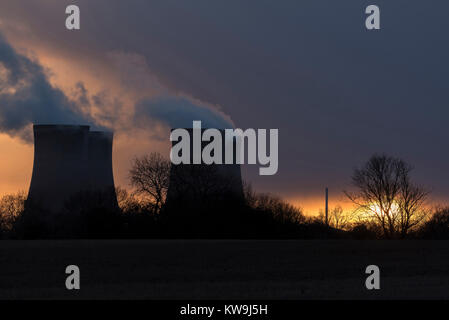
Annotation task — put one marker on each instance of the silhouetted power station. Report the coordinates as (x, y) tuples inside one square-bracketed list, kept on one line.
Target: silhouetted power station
[(69, 160), (201, 182)]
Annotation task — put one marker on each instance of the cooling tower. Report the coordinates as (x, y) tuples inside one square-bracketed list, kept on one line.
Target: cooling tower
[(202, 182), (68, 160), (101, 177)]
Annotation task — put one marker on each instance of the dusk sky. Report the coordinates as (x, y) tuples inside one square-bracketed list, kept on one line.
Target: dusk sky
[(337, 92)]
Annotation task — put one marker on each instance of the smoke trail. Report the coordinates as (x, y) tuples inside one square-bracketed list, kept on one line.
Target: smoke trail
[(178, 112), (26, 96)]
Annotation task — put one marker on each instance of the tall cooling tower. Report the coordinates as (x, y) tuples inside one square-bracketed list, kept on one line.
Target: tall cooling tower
[(69, 159), (197, 182), (101, 177), (60, 164)]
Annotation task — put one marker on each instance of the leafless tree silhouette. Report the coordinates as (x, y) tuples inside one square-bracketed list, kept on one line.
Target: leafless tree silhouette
[(128, 202), (149, 176), (338, 218), (437, 226), (281, 210), (386, 195), (11, 206)]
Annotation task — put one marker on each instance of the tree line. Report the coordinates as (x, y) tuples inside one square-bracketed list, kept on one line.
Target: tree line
[(387, 205)]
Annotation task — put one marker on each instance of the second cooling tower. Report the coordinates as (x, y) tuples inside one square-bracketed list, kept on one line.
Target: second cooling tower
[(69, 160), (202, 183)]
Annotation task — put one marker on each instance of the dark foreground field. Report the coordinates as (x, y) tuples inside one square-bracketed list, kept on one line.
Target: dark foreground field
[(203, 269)]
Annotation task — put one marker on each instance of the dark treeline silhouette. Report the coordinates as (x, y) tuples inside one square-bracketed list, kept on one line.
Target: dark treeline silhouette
[(86, 216), (209, 209)]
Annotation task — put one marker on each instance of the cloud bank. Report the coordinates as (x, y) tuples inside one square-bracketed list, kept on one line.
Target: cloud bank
[(26, 96)]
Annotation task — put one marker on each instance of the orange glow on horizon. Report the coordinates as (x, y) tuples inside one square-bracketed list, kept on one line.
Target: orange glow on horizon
[(16, 165)]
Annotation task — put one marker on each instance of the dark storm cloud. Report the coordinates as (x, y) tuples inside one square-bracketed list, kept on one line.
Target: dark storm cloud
[(26, 96), (337, 92)]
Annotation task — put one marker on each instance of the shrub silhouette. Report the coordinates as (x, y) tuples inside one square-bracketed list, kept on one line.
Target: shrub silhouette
[(11, 207), (437, 227)]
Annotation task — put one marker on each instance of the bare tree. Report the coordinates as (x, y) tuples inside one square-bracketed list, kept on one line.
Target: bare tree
[(128, 202), (437, 226), (387, 195), (411, 200), (149, 176), (11, 206), (280, 210), (338, 218)]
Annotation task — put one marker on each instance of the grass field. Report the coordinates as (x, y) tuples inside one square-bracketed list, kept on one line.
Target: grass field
[(224, 269)]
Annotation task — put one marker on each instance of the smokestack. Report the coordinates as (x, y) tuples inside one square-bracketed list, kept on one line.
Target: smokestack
[(68, 159), (327, 207), (198, 182)]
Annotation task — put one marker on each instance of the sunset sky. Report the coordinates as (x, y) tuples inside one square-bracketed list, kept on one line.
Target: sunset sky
[(337, 92)]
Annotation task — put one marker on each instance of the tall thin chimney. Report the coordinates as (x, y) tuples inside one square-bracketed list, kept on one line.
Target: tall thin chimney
[(327, 207)]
